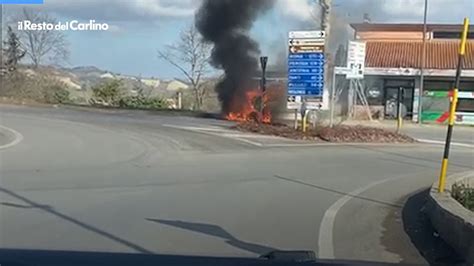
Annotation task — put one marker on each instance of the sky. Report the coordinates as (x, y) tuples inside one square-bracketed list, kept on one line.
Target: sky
[(139, 28)]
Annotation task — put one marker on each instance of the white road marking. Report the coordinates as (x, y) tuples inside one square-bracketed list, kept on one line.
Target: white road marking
[(192, 128), (216, 132), (258, 144), (137, 140), (253, 136), (326, 229), (289, 145), (244, 137), (430, 141), (18, 137)]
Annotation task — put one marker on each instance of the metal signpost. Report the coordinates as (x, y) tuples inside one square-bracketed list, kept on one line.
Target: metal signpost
[(306, 62), (354, 72), (263, 84)]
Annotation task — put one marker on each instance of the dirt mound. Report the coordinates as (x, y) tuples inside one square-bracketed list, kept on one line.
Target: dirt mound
[(362, 134), (347, 134)]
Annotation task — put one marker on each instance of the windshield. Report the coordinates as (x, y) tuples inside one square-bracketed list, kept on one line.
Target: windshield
[(265, 130)]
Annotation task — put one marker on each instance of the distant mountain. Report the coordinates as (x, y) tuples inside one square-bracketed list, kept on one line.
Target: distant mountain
[(89, 76), (86, 70)]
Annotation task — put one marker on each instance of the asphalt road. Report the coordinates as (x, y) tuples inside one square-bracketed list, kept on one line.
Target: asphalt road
[(462, 135), (145, 183)]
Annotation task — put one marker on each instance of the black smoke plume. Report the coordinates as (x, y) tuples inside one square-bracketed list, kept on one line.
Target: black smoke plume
[(226, 24)]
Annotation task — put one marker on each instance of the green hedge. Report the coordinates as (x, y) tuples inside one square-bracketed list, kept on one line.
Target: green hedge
[(140, 102), (464, 194)]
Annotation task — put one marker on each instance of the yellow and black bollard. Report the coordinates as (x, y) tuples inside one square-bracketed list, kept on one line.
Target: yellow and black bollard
[(452, 118), (452, 109), (399, 109), (305, 121)]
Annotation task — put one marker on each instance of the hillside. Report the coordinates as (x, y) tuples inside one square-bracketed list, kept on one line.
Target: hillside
[(79, 81)]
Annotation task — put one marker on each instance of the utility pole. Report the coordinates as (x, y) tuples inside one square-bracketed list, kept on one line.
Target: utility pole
[(325, 25), (423, 62), (2, 69), (325, 6)]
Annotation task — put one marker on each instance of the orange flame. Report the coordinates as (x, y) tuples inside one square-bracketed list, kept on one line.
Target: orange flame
[(245, 110)]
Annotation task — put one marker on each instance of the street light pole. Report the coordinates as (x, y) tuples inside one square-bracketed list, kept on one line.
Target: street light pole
[(423, 63), (263, 84)]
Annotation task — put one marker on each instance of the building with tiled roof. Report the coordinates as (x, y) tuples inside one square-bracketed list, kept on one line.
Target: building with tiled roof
[(439, 55), (394, 59)]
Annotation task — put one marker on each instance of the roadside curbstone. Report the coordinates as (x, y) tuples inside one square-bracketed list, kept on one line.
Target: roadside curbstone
[(453, 222)]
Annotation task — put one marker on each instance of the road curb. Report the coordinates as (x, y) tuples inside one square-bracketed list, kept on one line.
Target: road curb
[(453, 222), (12, 137)]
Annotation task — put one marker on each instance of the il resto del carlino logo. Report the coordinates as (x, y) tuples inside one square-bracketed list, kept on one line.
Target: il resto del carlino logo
[(73, 25)]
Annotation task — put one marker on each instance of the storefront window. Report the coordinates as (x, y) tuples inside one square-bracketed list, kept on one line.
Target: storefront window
[(465, 105)]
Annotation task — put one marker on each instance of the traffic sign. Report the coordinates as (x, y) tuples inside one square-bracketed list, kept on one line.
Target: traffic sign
[(306, 78), (306, 42), (311, 56), (293, 102), (305, 71), (306, 61), (307, 34), (308, 64), (356, 60), (314, 105), (309, 85), (294, 49)]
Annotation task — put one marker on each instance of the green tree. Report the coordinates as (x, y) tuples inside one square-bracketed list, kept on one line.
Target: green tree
[(140, 101), (107, 93), (55, 93)]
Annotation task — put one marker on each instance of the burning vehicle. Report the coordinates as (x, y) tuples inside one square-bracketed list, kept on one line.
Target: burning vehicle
[(226, 25)]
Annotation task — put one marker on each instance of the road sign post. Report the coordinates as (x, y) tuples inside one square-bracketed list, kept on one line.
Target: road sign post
[(306, 61), (296, 119), (356, 65), (332, 100), (452, 109)]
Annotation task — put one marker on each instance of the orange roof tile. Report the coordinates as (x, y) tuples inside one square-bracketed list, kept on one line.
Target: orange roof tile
[(439, 54), (408, 27)]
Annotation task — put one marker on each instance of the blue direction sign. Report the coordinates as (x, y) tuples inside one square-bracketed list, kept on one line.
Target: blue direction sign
[(306, 73), (303, 56), (306, 78)]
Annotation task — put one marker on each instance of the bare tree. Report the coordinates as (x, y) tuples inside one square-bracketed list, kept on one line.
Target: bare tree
[(12, 53), (42, 45), (190, 55)]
